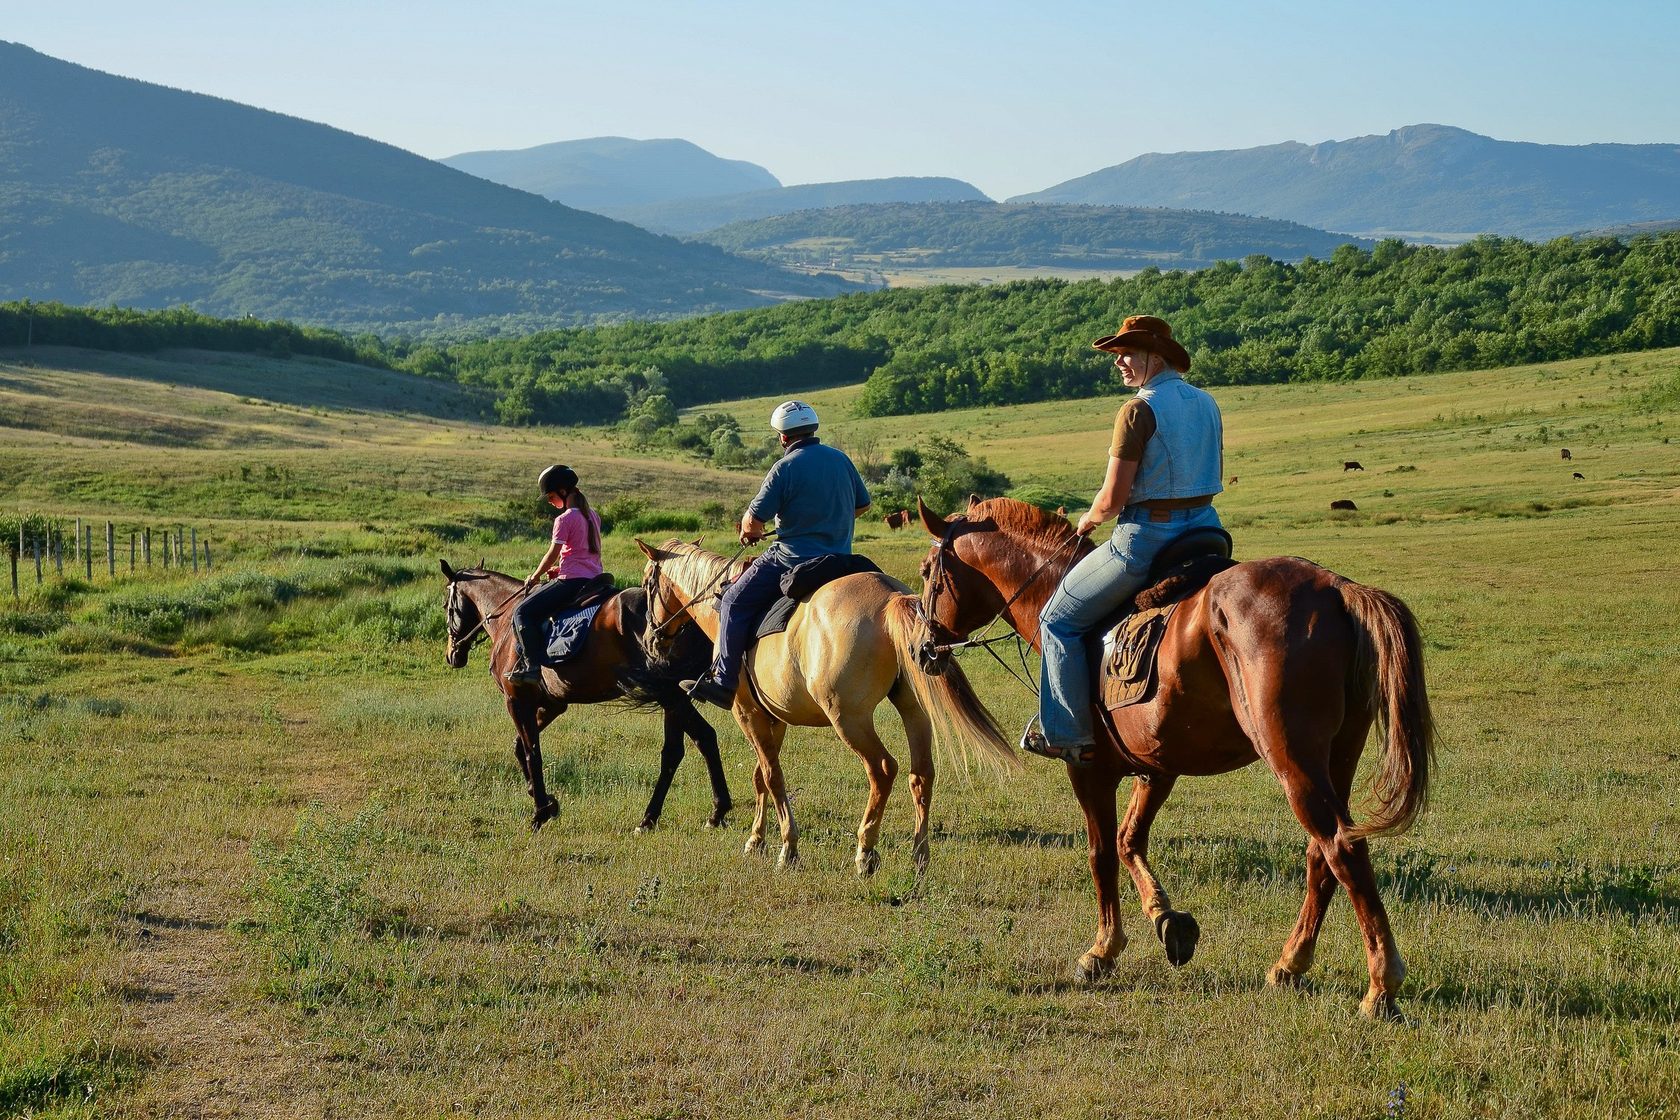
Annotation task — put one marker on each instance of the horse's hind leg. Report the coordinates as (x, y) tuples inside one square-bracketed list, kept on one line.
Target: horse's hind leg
[(1176, 930), (705, 741), (918, 731), (857, 731), (1298, 951), (670, 757)]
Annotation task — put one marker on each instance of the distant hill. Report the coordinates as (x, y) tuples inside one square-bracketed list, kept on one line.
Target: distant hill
[(119, 191), (697, 215), (947, 234), (1425, 178), (611, 171)]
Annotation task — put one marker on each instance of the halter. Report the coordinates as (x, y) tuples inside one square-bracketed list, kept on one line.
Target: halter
[(650, 584), (931, 649)]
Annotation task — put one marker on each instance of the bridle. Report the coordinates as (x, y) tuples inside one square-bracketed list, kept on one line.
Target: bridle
[(478, 633), (932, 651), (651, 581)]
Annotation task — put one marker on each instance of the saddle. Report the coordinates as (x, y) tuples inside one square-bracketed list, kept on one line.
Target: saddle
[(802, 581), (568, 631), (1131, 638)]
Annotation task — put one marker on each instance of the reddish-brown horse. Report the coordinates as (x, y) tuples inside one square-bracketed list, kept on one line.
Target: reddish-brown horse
[(614, 667), (1277, 659)]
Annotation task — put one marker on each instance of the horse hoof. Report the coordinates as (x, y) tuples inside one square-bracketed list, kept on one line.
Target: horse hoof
[(1179, 933), (753, 847), (1091, 968), (547, 812), (788, 860), (1381, 1007), (1281, 977), (868, 861), (646, 827)]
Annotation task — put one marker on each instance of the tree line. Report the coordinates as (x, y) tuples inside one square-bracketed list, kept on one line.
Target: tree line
[(1395, 309)]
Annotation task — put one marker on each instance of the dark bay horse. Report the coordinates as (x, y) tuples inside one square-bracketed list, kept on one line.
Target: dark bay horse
[(1276, 659), (614, 667)]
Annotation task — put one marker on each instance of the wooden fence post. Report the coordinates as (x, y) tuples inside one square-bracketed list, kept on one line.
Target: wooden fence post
[(76, 544), (207, 555), (195, 547), (180, 547), (131, 552), (111, 549), (58, 550), (36, 545), (86, 547), (146, 544)]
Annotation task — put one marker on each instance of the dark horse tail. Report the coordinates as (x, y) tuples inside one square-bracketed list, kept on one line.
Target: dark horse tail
[(959, 716), (1391, 660)]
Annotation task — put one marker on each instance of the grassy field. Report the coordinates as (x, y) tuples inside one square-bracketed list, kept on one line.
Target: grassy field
[(263, 854)]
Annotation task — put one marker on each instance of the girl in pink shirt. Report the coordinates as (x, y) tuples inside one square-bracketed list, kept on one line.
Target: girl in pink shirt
[(573, 559)]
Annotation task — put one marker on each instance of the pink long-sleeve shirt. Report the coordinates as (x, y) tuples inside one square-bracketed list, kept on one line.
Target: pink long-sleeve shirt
[(571, 533)]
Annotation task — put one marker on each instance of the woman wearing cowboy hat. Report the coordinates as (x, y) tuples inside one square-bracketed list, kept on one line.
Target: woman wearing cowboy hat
[(1164, 467)]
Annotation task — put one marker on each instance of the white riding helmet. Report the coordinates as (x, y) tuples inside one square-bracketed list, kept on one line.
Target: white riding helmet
[(793, 414)]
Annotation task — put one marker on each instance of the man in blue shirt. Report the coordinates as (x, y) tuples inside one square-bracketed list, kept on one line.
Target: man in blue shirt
[(814, 494)]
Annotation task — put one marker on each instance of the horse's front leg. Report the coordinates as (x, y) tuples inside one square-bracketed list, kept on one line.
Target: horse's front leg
[(1176, 930), (1097, 787), (670, 757), (528, 722), (765, 733)]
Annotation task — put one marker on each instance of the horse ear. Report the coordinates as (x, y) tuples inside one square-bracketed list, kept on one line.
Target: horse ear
[(448, 572), (931, 521), (482, 560), (973, 500), (1061, 511), (696, 542), (648, 550)]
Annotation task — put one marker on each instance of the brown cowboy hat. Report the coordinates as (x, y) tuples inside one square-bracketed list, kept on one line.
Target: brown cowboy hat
[(1146, 332)]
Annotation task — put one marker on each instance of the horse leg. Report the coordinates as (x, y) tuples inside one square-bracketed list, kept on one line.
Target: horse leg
[(765, 733), (1097, 787), (1325, 816), (857, 731), (670, 757), (1298, 951), (918, 732), (1176, 930), (705, 740), (528, 722)]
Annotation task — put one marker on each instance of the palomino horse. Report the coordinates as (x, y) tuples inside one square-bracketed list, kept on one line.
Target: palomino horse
[(1275, 659), (851, 645), (614, 667)]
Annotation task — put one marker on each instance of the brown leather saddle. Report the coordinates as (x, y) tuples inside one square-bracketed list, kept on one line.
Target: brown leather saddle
[(1131, 639), (597, 590)]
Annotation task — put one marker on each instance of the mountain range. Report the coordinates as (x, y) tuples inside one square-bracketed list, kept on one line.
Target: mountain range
[(608, 173), (1428, 179), (119, 191), (696, 215)]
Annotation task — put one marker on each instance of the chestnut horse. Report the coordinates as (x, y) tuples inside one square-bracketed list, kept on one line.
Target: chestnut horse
[(1276, 659), (613, 667), (847, 648)]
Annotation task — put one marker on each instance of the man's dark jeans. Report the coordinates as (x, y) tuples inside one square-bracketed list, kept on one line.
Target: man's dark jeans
[(743, 608)]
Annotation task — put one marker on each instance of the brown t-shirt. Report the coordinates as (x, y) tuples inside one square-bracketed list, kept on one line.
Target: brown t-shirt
[(1133, 427)]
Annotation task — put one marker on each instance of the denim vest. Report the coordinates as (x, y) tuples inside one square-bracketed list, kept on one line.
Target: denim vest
[(1186, 454)]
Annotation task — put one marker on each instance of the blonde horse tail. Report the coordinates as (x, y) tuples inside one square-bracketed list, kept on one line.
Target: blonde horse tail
[(1391, 658), (960, 719)]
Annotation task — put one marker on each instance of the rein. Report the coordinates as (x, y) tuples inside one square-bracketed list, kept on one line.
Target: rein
[(701, 594), (983, 642), (470, 638)]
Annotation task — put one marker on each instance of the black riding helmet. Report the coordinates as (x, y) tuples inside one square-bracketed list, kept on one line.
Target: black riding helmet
[(557, 479)]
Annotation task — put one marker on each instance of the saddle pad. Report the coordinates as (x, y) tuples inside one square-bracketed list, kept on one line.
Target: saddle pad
[(1126, 671), (803, 581), (568, 634)]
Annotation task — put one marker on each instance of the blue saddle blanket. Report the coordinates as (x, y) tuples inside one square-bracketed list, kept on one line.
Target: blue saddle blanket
[(568, 634)]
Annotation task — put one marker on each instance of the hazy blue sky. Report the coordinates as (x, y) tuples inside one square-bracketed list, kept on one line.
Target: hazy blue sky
[(1012, 97)]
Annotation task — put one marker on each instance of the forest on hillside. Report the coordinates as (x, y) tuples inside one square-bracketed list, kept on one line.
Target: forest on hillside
[(1394, 310), (959, 234)]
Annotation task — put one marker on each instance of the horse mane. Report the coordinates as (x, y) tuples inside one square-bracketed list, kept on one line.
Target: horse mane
[(1024, 521), (688, 559)]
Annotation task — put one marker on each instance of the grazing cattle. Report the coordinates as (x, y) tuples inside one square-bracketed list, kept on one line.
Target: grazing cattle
[(1580, 476), (1566, 454), (1233, 481), (1342, 503), (1352, 465), (897, 519)]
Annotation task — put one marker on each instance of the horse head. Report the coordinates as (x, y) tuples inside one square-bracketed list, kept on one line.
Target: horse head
[(997, 549), (667, 602), (462, 618)]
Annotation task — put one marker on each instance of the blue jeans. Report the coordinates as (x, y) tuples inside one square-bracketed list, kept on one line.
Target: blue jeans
[(530, 617), (1093, 589), (743, 607)]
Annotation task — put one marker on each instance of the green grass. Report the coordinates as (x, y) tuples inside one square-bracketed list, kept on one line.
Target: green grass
[(260, 851)]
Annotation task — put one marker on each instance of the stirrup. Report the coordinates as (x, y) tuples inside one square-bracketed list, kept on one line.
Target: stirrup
[(1074, 754), (526, 674)]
